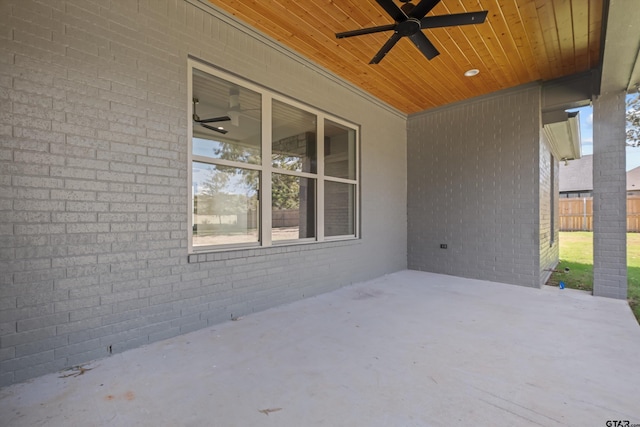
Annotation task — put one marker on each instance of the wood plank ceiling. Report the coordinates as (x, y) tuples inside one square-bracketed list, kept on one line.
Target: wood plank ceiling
[(520, 42)]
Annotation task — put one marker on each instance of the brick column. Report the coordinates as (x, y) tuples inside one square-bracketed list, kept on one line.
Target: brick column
[(609, 197)]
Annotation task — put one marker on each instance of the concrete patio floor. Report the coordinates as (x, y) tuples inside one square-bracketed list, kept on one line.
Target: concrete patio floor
[(407, 349)]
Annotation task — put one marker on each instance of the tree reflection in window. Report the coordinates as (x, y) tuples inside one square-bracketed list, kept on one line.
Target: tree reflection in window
[(225, 204)]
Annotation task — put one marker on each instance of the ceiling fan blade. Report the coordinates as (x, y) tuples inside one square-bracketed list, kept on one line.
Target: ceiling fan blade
[(394, 11), (222, 131), (215, 119), (454, 19), (426, 47), (423, 8), (386, 48), (365, 31)]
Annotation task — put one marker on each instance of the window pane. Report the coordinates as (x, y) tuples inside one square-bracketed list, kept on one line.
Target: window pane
[(293, 214), (339, 209), (232, 109), (339, 151), (293, 139), (225, 205)]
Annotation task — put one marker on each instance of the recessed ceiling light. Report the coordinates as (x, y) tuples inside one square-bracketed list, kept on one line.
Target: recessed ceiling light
[(220, 127), (472, 72)]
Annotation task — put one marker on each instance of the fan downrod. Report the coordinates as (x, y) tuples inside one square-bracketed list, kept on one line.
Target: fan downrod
[(407, 6)]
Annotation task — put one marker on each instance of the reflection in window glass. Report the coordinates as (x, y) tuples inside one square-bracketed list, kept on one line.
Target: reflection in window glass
[(339, 151), (339, 209), (226, 122), (225, 205), (293, 139), (293, 214)]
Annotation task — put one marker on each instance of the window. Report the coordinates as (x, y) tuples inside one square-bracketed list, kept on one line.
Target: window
[(225, 162), (340, 185), (266, 170), (293, 182)]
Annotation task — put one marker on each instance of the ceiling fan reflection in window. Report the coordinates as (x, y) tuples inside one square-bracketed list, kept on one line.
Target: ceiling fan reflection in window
[(410, 21), (205, 122)]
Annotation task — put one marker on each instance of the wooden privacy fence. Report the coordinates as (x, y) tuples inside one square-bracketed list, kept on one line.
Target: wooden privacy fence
[(577, 214)]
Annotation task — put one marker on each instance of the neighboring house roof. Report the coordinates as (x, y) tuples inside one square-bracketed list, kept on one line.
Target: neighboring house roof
[(633, 179), (577, 175)]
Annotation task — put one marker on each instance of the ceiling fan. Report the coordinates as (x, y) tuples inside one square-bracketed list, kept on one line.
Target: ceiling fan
[(204, 122), (410, 20)]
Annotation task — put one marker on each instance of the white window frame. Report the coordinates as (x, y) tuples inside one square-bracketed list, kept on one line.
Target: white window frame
[(266, 169)]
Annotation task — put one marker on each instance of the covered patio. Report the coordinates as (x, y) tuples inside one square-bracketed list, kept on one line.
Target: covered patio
[(409, 348)]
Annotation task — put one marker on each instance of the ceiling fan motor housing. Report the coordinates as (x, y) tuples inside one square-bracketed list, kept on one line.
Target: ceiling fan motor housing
[(408, 27)]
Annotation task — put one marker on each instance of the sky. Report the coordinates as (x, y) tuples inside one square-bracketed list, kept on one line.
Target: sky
[(586, 136)]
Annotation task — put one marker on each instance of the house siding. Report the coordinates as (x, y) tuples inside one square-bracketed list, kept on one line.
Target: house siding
[(473, 170), (94, 191)]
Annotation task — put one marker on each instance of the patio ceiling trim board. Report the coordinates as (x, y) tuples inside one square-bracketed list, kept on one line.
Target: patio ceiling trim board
[(236, 23)]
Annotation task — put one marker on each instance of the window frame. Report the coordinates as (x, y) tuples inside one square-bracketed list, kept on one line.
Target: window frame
[(266, 169)]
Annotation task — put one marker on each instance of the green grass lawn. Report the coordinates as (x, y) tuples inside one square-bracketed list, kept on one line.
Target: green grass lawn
[(576, 253)]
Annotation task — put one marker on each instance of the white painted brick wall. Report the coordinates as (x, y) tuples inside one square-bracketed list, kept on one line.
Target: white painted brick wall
[(473, 170), (93, 181)]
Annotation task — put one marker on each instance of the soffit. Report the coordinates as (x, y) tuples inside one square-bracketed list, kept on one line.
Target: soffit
[(621, 68), (563, 135), (521, 41)]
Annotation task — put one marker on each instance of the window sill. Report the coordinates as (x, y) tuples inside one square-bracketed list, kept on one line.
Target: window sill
[(224, 254)]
